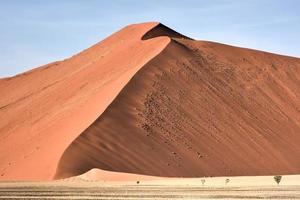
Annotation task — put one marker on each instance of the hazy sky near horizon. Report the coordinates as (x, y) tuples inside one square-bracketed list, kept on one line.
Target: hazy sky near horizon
[(35, 32)]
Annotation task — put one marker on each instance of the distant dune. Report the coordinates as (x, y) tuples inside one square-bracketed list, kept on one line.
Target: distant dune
[(150, 101)]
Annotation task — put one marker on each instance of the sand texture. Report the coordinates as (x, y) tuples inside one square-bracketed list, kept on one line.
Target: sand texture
[(253, 188), (150, 101)]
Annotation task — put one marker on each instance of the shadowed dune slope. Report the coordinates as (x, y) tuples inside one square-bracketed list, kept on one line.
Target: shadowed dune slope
[(198, 109), (148, 100)]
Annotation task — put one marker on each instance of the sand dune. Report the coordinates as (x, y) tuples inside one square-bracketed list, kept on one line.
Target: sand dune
[(150, 101)]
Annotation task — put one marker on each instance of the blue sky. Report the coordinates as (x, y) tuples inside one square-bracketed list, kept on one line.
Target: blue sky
[(36, 32)]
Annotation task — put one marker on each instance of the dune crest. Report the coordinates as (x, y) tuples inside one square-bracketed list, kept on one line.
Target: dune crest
[(150, 101)]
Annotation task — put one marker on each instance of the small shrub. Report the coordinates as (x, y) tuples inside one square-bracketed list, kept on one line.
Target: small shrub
[(202, 181), (227, 181), (277, 179)]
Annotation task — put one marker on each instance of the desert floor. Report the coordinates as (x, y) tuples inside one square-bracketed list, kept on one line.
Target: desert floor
[(263, 187)]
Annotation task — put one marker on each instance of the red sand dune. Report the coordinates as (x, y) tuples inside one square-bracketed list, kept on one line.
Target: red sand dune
[(148, 100)]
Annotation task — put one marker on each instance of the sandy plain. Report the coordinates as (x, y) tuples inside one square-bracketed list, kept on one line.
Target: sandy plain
[(259, 187)]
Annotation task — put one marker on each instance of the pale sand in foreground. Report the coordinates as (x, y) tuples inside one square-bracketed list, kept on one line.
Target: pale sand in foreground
[(262, 187)]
